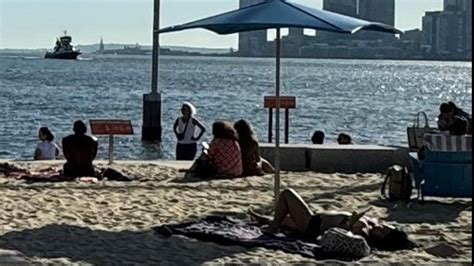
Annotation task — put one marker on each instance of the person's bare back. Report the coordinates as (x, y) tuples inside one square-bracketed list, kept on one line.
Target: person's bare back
[(80, 150)]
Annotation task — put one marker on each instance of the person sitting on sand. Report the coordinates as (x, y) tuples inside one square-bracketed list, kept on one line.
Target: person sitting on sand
[(293, 213), (222, 159), (46, 149), (318, 137), (344, 139), (252, 163), (80, 150), (184, 129)]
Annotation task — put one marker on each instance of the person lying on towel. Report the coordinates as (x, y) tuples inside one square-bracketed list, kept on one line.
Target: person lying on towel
[(292, 213)]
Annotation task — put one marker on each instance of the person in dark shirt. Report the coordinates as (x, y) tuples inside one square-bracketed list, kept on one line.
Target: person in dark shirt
[(459, 126), (448, 111), (80, 150)]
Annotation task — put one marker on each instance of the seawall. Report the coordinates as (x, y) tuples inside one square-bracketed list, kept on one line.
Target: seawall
[(337, 158)]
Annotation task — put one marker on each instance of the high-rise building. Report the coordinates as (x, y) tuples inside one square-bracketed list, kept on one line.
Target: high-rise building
[(344, 7), (382, 11), (462, 8), (458, 5), (468, 26), (443, 32), (251, 43), (429, 29)]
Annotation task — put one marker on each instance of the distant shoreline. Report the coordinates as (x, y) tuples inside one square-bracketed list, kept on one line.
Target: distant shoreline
[(5, 52)]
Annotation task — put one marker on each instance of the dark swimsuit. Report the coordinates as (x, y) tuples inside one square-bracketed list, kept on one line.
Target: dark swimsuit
[(314, 226)]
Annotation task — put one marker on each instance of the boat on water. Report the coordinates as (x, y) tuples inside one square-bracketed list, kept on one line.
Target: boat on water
[(63, 49)]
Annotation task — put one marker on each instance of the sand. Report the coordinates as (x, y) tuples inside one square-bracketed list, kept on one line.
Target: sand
[(110, 222)]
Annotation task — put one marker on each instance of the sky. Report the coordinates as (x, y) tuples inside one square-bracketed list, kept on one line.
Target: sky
[(36, 23)]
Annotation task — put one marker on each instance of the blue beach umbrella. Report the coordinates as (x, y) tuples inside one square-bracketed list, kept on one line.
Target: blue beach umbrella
[(278, 14)]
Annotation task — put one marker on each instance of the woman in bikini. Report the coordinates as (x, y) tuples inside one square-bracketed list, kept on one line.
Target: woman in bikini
[(293, 213)]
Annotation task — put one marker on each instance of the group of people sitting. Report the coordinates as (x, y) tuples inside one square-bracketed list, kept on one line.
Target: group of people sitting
[(319, 136), (79, 149), (233, 151)]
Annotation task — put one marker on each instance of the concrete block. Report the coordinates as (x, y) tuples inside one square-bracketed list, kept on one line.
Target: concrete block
[(352, 159), (337, 158), (292, 157)]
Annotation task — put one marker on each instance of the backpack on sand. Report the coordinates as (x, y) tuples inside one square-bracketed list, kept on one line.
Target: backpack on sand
[(399, 183)]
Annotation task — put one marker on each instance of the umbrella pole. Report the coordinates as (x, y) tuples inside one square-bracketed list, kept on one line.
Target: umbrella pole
[(277, 114)]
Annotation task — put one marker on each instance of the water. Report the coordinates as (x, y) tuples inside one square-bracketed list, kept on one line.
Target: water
[(374, 101)]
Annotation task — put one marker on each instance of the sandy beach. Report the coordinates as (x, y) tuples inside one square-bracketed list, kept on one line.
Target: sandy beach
[(110, 222)]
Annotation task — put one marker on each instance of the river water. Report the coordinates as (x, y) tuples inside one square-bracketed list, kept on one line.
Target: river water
[(373, 101)]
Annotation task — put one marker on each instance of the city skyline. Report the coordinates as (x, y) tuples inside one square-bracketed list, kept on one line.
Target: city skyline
[(131, 22)]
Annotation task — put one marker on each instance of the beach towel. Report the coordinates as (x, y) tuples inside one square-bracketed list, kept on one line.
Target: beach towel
[(54, 175), (231, 231)]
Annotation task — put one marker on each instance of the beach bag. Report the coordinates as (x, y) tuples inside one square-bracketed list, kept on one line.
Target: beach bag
[(416, 132), (340, 243), (399, 183)]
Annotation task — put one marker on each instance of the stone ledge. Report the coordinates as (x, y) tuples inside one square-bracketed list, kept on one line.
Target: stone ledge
[(337, 158)]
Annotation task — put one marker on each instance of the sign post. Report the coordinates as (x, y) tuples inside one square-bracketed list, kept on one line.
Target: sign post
[(111, 149), (111, 128), (286, 102)]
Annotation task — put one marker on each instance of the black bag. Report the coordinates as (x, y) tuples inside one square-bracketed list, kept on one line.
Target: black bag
[(399, 183), (180, 136)]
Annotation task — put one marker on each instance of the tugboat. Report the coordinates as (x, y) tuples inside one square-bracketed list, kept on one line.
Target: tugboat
[(63, 49)]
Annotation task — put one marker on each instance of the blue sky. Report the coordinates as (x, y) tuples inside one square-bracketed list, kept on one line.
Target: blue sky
[(36, 23)]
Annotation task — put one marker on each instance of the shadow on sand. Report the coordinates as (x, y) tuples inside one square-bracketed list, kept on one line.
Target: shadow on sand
[(430, 212), (99, 247)]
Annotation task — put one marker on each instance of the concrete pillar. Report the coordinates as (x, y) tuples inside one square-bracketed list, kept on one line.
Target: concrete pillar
[(151, 129)]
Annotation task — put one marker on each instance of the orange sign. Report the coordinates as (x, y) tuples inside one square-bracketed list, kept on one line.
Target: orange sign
[(286, 102), (111, 127)]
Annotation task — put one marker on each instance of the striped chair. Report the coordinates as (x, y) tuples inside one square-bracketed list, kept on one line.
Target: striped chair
[(446, 167)]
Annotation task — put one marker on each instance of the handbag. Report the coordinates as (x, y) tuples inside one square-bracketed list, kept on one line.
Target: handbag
[(416, 133)]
